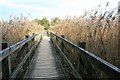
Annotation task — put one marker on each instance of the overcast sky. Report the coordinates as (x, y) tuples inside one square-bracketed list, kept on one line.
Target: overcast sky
[(49, 8)]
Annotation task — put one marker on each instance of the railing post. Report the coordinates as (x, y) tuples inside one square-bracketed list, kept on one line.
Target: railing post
[(7, 62), (119, 31), (51, 37), (80, 62), (62, 36), (62, 45), (48, 34), (26, 43), (26, 36), (33, 35), (87, 64), (82, 45), (56, 39)]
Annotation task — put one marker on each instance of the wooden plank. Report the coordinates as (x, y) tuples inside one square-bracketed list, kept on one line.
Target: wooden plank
[(45, 64)]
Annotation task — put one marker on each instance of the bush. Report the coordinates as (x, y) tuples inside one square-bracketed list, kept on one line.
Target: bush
[(45, 23)]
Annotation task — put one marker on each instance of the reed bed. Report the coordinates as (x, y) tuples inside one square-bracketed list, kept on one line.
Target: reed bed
[(17, 28), (98, 30)]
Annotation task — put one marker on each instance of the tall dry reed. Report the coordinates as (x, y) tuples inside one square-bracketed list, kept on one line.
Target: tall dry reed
[(15, 29), (98, 30)]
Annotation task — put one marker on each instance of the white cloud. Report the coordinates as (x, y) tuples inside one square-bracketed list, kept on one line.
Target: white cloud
[(19, 6), (63, 8), (11, 1), (24, 6)]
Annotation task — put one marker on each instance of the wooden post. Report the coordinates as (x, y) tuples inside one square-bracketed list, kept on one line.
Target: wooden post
[(82, 45), (56, 38), (86, 63), (62, 45), (48, 33), (4, 45), (62, 36), (9, 64), (6, 63), (51, 37), (26, 43), (80, 62), (33, 35), (119, 32), (26, 36)]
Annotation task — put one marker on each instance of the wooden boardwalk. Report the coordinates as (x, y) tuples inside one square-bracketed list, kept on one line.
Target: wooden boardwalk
[(45, 64), (77, 63)]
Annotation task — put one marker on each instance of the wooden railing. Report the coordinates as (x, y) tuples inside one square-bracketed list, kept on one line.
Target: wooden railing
[(15, 59), (77, 63)]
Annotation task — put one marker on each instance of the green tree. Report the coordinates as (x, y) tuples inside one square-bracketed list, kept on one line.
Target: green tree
[(45, 23), (37, 21), (55, 21)]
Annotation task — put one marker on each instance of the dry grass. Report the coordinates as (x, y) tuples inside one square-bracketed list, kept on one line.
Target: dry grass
[(99, 32), (15, 30)]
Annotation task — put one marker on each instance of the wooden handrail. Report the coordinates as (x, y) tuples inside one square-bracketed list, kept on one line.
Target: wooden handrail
[(6, 52), (94, 61), (24, 59)]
